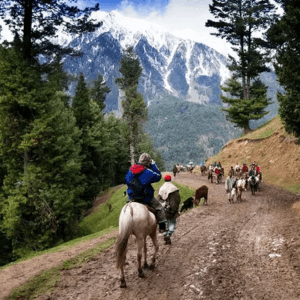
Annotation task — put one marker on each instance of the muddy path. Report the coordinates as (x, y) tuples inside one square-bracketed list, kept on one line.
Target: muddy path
[(248, 250)]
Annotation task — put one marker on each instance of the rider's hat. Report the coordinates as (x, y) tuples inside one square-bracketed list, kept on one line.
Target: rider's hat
[(145, 159), (168, 178)]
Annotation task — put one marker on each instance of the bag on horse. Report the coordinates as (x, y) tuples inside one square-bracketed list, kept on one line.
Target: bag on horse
[(138, 191)]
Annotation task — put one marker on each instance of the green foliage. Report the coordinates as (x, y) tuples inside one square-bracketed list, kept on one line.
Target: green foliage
[(134, 107), (241, 111), (285, 37), (103, 144), (40, 151), (130, 69)]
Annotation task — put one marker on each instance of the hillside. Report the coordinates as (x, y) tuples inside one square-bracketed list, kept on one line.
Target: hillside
[(276, 152), (183, 131)]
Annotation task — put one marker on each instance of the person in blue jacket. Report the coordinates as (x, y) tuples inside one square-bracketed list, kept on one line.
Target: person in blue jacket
[(147, 172)]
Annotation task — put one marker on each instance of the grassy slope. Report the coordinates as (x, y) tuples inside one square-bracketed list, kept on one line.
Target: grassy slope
[(276, 152)]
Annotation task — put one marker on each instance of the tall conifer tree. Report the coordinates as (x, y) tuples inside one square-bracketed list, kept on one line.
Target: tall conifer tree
[(285, 38), (238, 21), (134, 107), (99, 91)]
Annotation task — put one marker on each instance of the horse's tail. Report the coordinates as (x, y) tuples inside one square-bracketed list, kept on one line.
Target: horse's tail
[(125, 230)]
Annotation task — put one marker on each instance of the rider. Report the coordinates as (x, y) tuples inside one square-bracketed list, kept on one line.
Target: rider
[(232, 170), (245, 168), (258, 172), (169, 195), (252, 171), (147, 172), (230, 183), (175, 170)]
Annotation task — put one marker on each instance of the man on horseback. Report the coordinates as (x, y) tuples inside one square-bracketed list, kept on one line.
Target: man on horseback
[(139, 178), (169, 194)]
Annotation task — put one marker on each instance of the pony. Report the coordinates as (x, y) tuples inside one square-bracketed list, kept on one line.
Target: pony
[(253, 182), (136, 219), (202, 169), (241, 185), (190, 169)]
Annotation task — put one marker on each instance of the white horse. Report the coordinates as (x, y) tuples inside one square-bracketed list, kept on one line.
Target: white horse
[(135, 219), (237, 190)]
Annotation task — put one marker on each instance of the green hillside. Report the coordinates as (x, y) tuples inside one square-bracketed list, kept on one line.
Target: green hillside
[(184, 131)]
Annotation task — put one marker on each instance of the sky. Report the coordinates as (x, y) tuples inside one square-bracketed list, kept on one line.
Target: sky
[(183, 18)]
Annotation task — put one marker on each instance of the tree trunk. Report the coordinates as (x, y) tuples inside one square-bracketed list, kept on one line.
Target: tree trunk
[(132, 149), (247, 128), (27, 29)]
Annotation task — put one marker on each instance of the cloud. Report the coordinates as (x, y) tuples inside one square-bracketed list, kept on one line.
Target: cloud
[(183, 18)]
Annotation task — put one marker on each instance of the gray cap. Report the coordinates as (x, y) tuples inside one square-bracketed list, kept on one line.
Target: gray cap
[(144, 159)]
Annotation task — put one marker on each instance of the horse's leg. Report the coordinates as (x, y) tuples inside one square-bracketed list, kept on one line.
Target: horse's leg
[(122, 279), (156, 247), (145, 254), (140, 244)]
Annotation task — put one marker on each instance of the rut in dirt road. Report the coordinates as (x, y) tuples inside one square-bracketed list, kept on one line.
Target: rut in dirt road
[(247, 250)]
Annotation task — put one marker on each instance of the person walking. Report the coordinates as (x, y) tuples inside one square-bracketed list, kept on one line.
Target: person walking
[(230, 183), (168, 194)]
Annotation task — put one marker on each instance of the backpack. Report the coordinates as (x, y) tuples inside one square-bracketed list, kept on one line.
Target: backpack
[(138, 191)]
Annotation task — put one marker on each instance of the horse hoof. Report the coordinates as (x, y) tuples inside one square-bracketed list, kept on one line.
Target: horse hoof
[(123, 284), (152, 266), (146, 265), (141, 274)]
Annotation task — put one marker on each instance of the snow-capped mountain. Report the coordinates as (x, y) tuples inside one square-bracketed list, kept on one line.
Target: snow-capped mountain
[(171, 65)]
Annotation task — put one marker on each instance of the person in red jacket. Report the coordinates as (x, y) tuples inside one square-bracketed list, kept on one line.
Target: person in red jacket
[(245, 168), (259, 173)]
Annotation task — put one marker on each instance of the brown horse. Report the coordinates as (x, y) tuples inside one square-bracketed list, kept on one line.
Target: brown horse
[(190, 169), (135, 219), (203, 169)]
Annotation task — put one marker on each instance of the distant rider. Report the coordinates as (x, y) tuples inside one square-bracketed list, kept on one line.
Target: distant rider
[(169, 195), (147, 172)]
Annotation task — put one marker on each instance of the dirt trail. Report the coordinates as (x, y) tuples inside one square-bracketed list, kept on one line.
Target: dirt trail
[(247, 250)]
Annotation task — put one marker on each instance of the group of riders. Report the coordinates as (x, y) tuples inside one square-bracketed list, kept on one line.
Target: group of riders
[(253, 176), (141, 175)]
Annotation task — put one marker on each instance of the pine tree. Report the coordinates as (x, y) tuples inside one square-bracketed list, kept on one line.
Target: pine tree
[(285, 37), (241, 110), (99, 91), (238, 22), (37, 23), (134, 107)]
